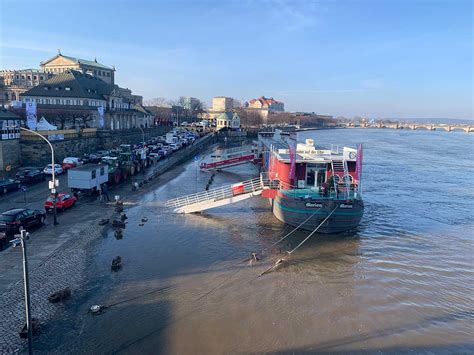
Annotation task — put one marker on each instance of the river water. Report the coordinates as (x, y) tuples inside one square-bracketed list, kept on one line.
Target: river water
[(402, 282)]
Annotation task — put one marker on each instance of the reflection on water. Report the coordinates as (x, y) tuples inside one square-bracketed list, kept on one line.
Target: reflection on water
[(402, 282)]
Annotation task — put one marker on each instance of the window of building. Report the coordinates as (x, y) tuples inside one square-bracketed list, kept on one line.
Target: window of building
[(57, 88), (41, 77), (35, 77), (67, 88), (68, 102), (29, 77), (47, 101), (57, 101), (108, 73), (23, 77), (46, 88)]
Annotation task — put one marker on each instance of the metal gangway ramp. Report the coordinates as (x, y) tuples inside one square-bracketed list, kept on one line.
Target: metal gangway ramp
[(221, 196)]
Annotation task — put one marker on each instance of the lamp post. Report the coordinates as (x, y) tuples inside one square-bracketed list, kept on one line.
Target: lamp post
[(143, 134), (21, 240), (52, 185)]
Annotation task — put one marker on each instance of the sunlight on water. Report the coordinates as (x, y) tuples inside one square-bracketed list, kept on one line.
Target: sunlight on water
[(403, 281)]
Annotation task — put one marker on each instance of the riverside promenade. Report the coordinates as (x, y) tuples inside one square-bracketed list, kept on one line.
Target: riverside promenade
[(57, 256)]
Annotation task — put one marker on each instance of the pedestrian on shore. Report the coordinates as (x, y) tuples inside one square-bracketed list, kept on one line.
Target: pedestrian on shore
[(105, 192)]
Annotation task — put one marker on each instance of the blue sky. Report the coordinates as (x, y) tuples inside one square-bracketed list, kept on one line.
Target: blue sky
[(378, 58)]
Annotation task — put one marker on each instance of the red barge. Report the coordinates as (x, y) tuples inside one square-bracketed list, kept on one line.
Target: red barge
[(315, 182)]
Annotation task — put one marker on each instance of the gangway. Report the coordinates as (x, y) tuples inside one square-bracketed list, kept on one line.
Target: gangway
[(228, 158), (222, 196)]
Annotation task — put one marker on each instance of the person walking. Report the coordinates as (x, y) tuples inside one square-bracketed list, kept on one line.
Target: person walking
[(105, 192)]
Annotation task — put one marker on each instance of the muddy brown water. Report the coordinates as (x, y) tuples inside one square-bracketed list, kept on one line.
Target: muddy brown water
[(402, 282)]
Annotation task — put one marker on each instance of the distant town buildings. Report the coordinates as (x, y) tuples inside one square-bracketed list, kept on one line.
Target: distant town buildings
[(268, 104), (265, 106), (228, 120), (222, 103)]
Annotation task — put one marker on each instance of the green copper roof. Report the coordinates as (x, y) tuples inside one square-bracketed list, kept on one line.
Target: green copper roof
[(92, 63)]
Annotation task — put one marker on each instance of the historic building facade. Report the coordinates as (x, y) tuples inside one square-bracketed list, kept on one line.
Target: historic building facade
[(74, 98), (15, 82), (61, 63)]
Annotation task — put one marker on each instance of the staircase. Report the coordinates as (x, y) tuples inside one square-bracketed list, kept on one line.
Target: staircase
[(221, 196), (341, 167)]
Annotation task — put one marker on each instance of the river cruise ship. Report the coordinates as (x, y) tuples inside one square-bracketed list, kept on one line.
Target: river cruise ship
[(319, 186)]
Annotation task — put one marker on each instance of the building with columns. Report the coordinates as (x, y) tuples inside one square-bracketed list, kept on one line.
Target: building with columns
[(73, 99)]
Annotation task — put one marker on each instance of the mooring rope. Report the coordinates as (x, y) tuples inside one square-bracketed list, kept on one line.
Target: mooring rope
[(294, 230), (309, 236), (281, 260)]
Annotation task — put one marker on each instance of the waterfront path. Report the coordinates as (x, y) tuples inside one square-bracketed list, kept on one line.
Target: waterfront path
[(56, 254)]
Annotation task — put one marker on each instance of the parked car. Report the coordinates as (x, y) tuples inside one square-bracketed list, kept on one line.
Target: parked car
[(29, 175), (9, 185), (63, 201), (71, 162), (12, 220), (49, 169)]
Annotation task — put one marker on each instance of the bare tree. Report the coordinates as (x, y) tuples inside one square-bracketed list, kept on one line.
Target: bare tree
[(249, 118), (157, 101)]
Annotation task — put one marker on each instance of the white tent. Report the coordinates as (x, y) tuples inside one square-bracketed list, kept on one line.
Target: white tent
[(44, 125)]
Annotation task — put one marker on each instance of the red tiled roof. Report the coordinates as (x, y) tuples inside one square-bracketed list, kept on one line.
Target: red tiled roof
[(264, 100)]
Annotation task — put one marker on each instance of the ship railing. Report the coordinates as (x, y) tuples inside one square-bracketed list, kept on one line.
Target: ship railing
[(217, 194), (340, 192)]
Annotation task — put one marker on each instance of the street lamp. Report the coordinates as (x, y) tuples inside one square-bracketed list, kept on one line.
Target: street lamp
[(143, 133), (20, 240), (52, 184)]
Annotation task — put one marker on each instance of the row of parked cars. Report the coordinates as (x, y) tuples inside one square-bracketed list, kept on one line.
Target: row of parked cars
[(32, 174), (12, 220)]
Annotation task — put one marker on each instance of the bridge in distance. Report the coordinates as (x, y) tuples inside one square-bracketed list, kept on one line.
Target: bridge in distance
[(428, 126)]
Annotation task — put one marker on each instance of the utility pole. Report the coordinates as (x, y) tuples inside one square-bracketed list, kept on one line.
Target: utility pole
[(21, 240), (52, 184)]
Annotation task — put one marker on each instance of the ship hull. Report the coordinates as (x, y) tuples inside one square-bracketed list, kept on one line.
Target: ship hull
[(294, 211)]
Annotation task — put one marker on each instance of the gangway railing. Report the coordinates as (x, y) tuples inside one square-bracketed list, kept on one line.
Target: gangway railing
[(253, 186)]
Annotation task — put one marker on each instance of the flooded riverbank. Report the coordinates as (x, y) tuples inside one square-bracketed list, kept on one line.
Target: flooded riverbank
[(401, 282)]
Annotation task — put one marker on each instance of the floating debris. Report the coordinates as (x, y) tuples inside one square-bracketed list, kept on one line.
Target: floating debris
[(97, 309), (119, 209), (144, 219), (123, 217), (104, 221), (59, 296), (116, 264)]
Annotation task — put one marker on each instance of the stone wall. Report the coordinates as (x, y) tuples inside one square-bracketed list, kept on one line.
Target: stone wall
[(9, 153), (38, 152)]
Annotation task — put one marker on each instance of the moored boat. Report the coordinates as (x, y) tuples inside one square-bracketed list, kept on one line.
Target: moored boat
[(314, 182)]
